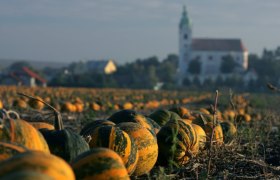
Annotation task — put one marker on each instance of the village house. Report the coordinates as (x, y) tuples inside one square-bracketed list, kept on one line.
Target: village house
[(96, 66), (210, 52), (102, 66), (23, 77)]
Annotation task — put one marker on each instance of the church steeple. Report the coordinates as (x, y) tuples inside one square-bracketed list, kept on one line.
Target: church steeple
[(185, 45), (185, 19)]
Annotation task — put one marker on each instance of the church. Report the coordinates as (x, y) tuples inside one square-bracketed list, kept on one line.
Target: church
[(210, 54)]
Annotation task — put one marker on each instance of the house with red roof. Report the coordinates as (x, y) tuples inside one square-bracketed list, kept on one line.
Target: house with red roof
[(23, 77), (209, 52)]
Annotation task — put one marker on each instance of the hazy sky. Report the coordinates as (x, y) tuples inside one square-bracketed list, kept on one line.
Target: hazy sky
[(70, 30)]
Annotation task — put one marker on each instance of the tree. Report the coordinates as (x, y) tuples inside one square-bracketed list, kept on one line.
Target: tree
[(17, 66), (228, 64), (194, 67)]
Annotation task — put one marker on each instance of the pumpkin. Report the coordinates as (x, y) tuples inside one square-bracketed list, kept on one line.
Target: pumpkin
[(160, 116), (119, 141), (146, 144), (206, 122), (26, 175), (62, 142), (1, 105), (79, 107), (177, 142), (218, 136), (229, 130), (132, 116), (68, 107), (201, 135), (204, 111), (95, 106), (42, 125), (8, 150), (181, 111), (99, 163), (47, 164), (36, 104), (94, 124), (20, 103), (156, 126), (21, 132)]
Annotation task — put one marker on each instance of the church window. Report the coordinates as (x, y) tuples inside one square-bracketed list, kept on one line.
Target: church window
[(185, 36)]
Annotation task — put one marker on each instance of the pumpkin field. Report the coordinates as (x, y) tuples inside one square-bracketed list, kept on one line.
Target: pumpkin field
[(79, 133)]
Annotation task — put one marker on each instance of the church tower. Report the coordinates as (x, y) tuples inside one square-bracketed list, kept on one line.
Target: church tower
[(185, 43)]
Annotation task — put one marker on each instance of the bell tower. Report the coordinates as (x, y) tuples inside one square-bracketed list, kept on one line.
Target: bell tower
[(185, 42)]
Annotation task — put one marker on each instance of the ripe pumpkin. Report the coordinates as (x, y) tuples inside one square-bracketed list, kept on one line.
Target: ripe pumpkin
[(68, 107), (205, 121), (20, 103), (132, 116), (8, 150), (36, 104), (177, 142), (147, 146), (1, 105), (117, 140), (86, 130), (47, 164), (42, 125), (218, 136), (229, 130), (26, 175), (99, 163), (21, 132), (62, 142), (201, 135), (181, 111)]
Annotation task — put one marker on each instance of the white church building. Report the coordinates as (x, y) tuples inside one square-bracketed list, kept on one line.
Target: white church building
[(210, 52)]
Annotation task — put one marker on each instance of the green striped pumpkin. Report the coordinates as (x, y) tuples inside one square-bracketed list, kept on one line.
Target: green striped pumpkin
[(117, 140), (35, 161), (86, 130), (161, 116), (177, 142), (229, 130), (26, 175), (65, 143), (132, 116), (99, 163), (147, 146)]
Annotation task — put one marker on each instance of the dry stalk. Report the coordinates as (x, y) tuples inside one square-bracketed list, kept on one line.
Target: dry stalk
[(214, 123)]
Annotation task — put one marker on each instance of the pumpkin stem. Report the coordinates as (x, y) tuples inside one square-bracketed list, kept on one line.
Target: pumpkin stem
[(58, 124), (10, 113)]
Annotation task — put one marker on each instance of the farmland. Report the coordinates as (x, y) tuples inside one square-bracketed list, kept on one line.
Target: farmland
[(241, 130)]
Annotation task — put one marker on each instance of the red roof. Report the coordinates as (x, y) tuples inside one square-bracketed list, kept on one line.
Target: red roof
[(209, 44), (33, 74)]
